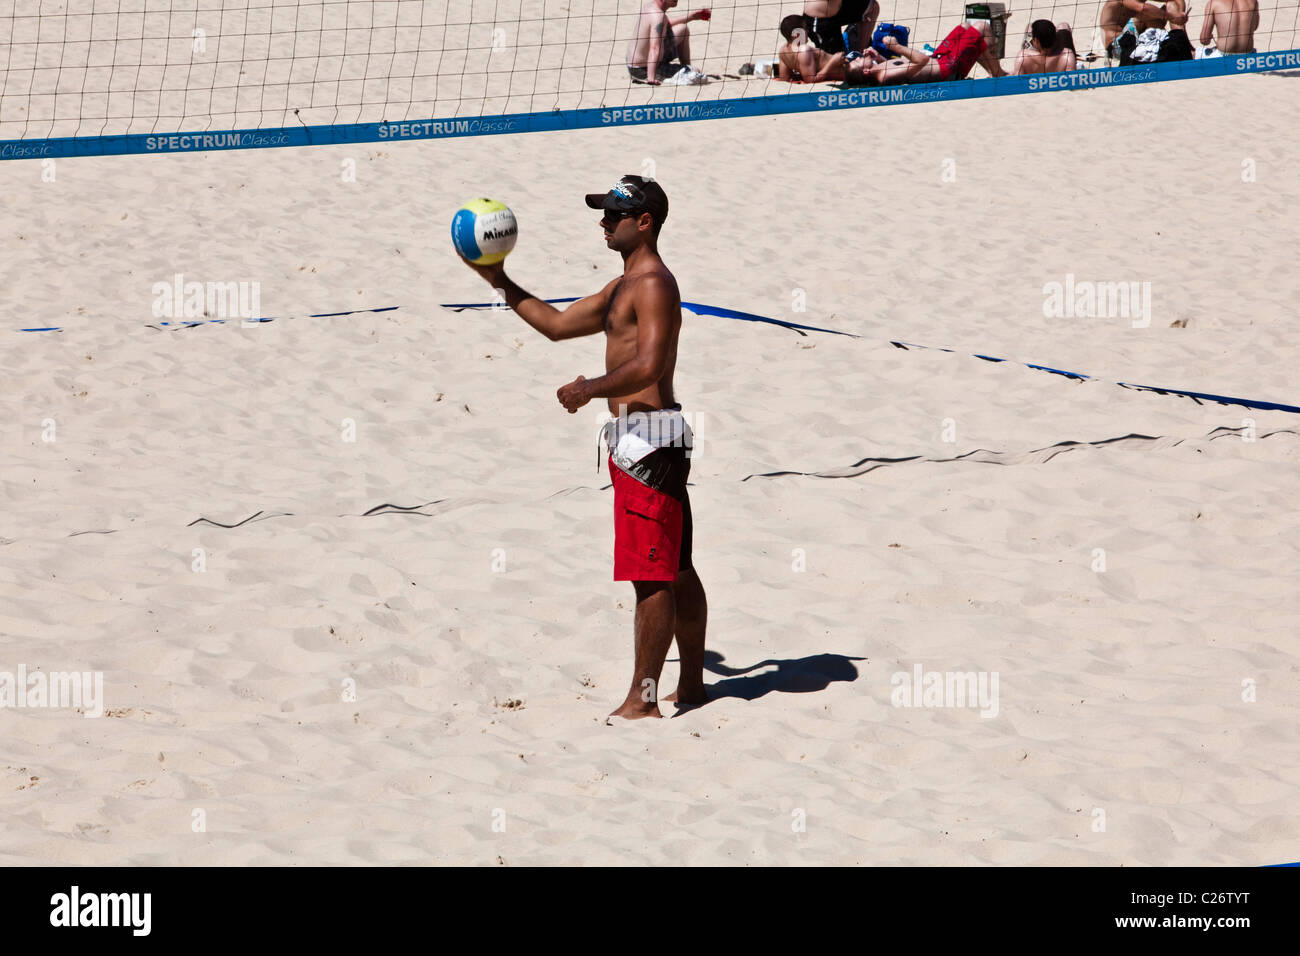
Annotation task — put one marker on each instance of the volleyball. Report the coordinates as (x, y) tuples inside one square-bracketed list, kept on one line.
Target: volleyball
[(484, 231)]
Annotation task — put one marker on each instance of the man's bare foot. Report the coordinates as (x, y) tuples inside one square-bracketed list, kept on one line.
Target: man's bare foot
[(636, 709), (693, 698)]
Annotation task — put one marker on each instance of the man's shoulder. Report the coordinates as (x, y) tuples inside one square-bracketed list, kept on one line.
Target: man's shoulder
[(653, 284), (659, 276)]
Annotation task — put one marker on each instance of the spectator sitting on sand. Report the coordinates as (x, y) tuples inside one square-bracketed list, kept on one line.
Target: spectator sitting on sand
[(1235, 21), (964, 46), (799, 60), (1048, 49), (662, 42), (1115, 14)]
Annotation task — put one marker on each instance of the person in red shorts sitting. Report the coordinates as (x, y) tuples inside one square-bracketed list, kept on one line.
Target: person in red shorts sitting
[(964, 46)]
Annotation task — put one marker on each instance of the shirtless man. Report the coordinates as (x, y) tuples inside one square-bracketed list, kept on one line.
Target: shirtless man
[(661, 41), (964, 46), (1049, 49), (799, 60), (1235, 21), (641, 316), (1115, 14)]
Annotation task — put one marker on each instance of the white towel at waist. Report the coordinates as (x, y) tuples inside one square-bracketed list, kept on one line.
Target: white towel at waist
[(631, 437)]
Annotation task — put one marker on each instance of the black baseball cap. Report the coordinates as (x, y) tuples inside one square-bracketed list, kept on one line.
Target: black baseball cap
[(633, 194)]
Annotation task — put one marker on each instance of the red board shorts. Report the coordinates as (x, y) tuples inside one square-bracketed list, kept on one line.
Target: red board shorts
[(959, 51), (652, 530)]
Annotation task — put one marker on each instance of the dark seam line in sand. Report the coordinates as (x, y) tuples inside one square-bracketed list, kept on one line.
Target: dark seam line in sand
[(1052, 451), (258, 516)]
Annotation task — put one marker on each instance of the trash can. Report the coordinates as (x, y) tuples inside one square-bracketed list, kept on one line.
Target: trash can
[(996, 15)]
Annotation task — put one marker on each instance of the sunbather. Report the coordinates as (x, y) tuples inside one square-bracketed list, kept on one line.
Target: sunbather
[(800, 60), (964, 46)]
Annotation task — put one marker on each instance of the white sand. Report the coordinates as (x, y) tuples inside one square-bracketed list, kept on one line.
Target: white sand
[(1120, 691)]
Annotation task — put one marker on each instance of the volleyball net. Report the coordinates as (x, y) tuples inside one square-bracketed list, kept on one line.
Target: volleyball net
[(103, 73)]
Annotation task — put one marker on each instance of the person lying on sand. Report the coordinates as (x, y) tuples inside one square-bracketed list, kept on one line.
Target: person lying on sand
[(964, 46), (800, 60), (1049, 48)]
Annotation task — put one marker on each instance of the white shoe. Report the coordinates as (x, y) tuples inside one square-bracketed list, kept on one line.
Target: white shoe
[(686, 77)]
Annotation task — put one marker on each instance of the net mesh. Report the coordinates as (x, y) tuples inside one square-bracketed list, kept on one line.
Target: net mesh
[(86, 68)]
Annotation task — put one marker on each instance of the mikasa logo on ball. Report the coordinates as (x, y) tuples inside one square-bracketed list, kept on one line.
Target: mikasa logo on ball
[(498, 226)]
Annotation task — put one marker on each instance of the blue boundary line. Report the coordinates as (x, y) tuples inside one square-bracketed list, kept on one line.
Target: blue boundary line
[(189, 324), (696, 307), (1197, 397), (699, 309), (604, 117)]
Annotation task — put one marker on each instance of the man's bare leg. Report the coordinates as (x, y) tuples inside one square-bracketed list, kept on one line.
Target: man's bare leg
[(1177, 11), (987, 59), (682, 34), (1113, 16), (692, 619), (654, 621)]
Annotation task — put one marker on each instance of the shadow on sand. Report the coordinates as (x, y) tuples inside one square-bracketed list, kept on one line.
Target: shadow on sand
[(803, 675)]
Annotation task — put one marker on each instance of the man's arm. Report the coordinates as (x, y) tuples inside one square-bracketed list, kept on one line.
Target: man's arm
[(1139, 9), (584, 317), (655, 46), (1156, 11), (916, 57), (867, 26), (781, 71), (704, 13), (654, 300), (832, 69), (1207, 25), (806, 59)]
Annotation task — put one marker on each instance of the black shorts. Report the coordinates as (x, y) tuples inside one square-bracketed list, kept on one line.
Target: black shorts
[(825, 34), (666, 67), (664, 71)]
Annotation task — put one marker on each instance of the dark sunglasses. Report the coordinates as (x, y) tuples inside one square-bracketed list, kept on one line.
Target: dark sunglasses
[(614, 217)]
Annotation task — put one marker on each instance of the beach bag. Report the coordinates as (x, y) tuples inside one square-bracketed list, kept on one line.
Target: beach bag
[(888, 30)]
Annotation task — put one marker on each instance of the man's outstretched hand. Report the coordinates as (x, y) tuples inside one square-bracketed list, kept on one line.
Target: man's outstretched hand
[(574, 395)]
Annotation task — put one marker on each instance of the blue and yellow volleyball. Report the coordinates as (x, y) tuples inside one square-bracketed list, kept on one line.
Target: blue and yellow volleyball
[(484, 231)]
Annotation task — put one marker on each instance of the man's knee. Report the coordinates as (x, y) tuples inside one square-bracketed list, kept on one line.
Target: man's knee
[(645, 590), (682, 31), (689, 593)]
